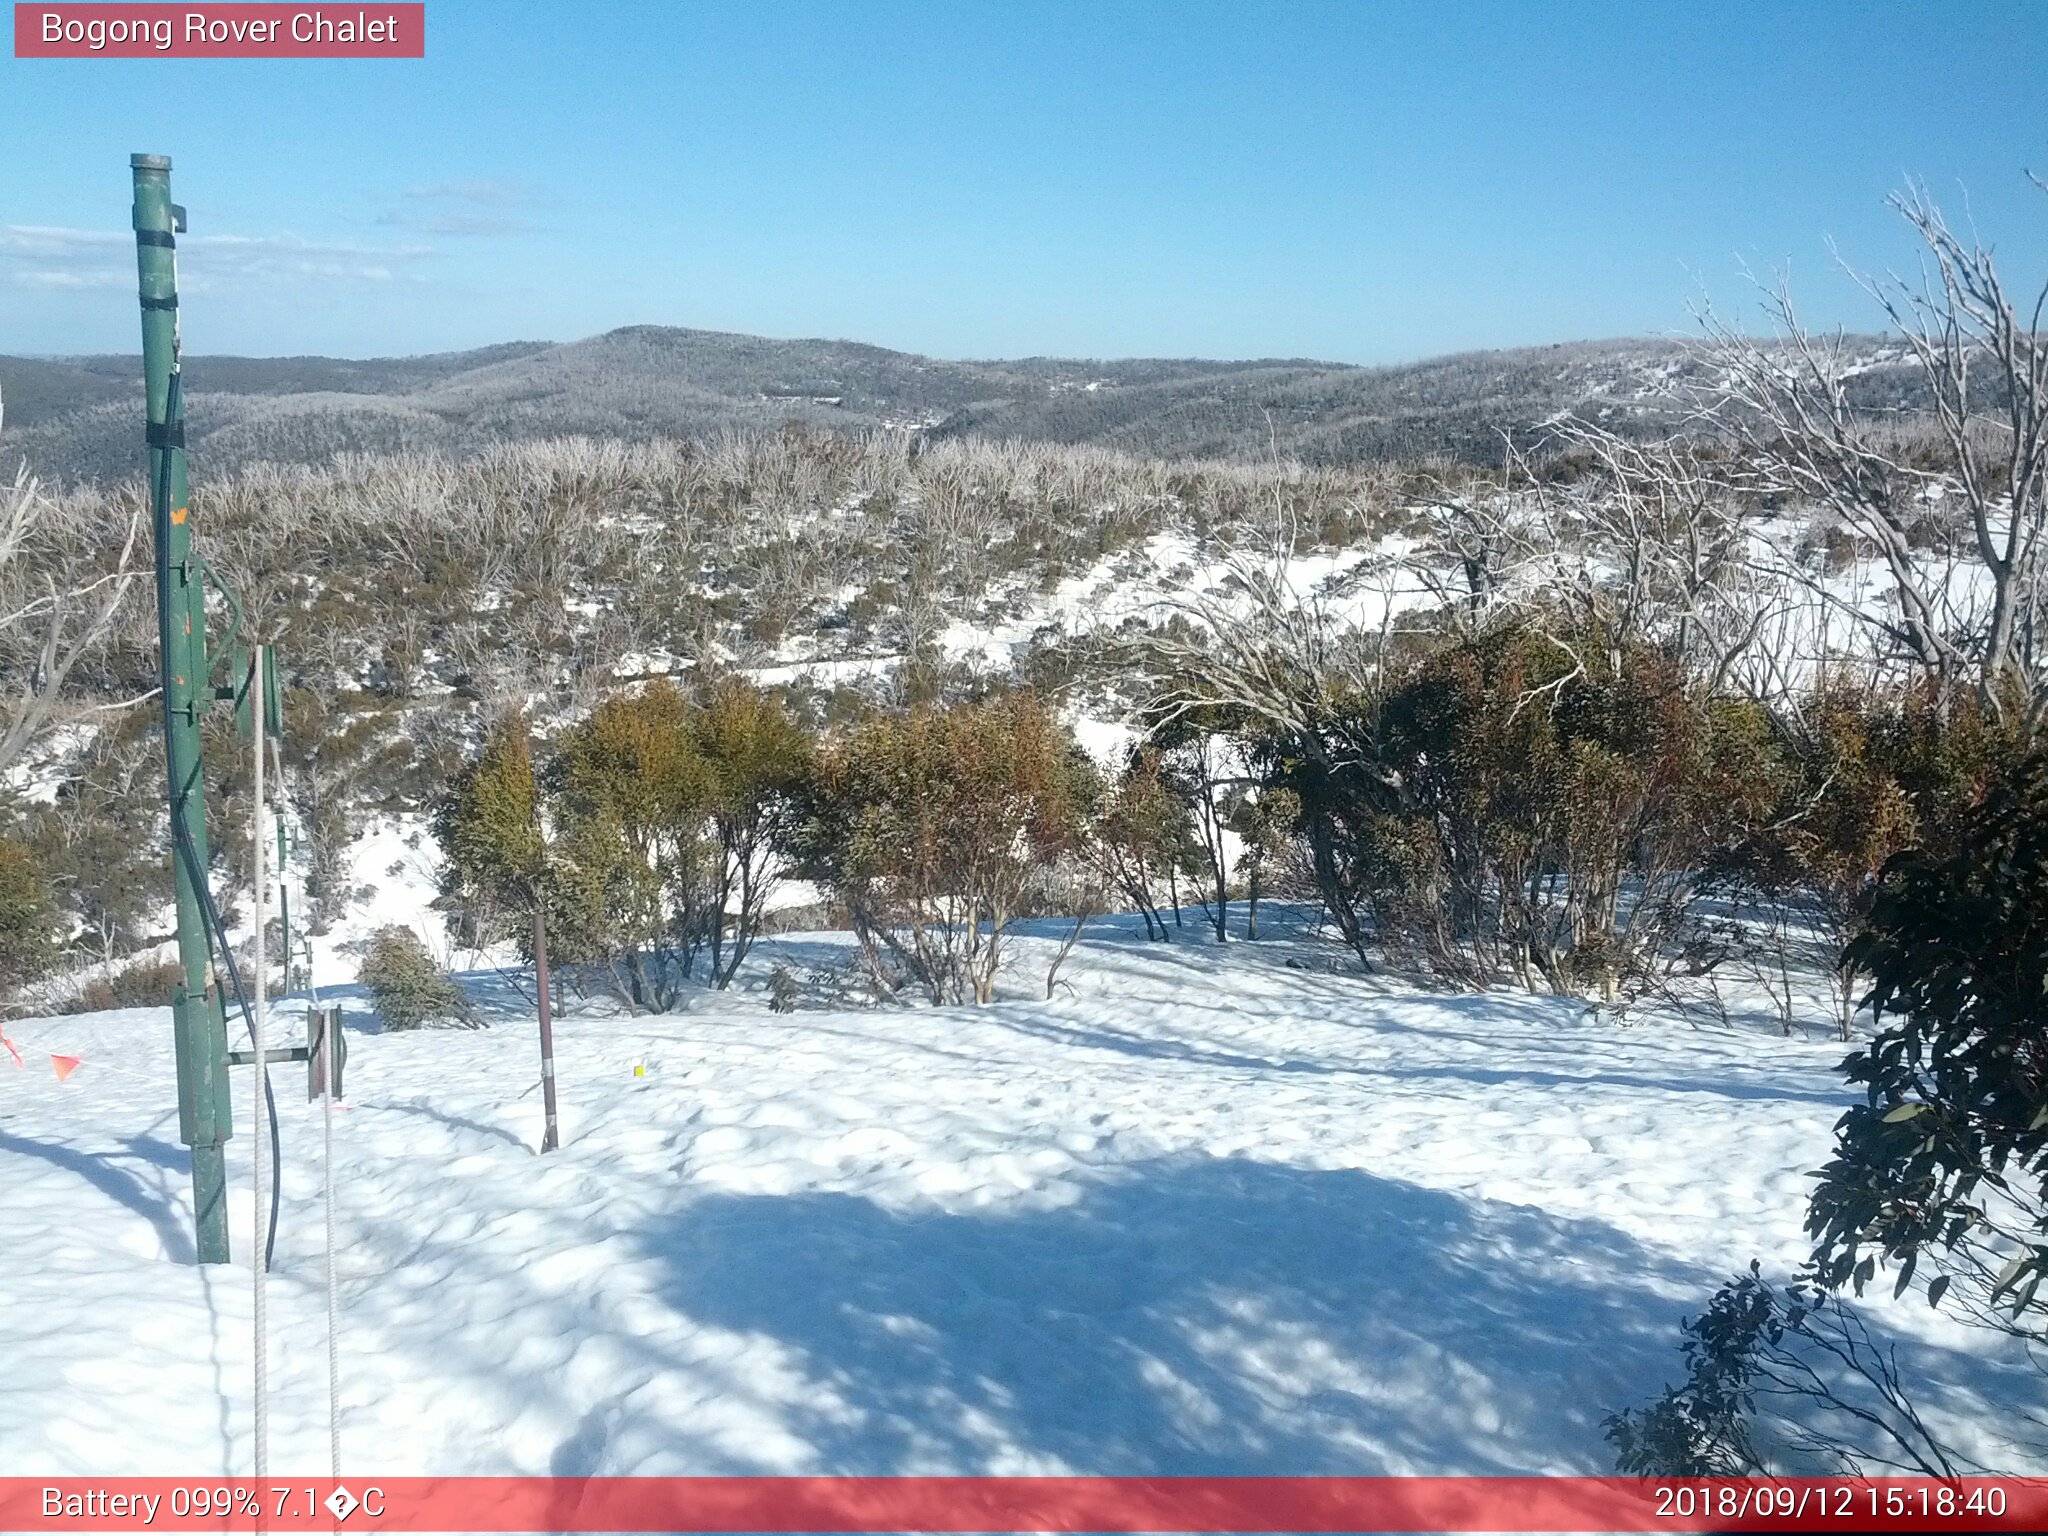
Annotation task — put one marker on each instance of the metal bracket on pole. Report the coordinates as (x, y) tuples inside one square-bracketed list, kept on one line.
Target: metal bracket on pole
[(321, 1020), (326, 1041)]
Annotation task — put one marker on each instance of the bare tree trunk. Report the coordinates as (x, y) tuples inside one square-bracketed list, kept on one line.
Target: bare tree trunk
[(60, 620), (1067, 947), (1788, 407)]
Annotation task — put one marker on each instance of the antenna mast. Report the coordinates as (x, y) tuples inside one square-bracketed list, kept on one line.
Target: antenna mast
[(198, 1008)]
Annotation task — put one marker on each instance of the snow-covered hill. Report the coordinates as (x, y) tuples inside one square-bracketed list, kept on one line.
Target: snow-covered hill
[(650, 381), (1210, 1210)]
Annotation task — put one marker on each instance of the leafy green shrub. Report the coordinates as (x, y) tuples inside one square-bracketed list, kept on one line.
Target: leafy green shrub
[(652, 839), (1946, 1160), (26, 946), (632, 869), (407, 988), (1774, 1372), (1862, 777), (1944, 1163), (493, 869), (1264, 823), (1143, 833), (761, 763), (1546, 808), (935, 826)]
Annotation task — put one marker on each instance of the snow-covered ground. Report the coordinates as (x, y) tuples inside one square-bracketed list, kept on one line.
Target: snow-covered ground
[(1210, 1210)]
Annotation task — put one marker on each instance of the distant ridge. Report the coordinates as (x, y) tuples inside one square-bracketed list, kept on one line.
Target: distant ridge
[(75, 418)]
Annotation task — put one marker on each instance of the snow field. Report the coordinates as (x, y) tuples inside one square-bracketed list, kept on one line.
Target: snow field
[(1214, 1210)]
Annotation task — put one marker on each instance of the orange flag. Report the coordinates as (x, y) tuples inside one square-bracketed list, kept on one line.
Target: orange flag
[(11, 1050), (65, 1065)]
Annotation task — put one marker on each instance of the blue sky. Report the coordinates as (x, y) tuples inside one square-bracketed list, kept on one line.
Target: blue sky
[(1358, 181)]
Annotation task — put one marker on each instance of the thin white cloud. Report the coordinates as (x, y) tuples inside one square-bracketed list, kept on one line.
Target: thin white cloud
[(43, 277), (46, 239), (465, 209), (487, 192), (43, 256), (470, 224)]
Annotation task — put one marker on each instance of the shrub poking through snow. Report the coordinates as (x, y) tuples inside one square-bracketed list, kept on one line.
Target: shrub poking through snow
[(1779, 1379), (24, 918), (409, 990), (495, 859), (760, 761), (1528, 806), (1946, 1161), (1142, 834), (936, 826), (652, 837), (634, 893), (144, 984)]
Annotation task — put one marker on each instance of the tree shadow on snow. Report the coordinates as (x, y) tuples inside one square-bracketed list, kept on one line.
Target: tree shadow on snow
[(1097, 1036), (1199, 1316), (156, 1206), (423, 1110)]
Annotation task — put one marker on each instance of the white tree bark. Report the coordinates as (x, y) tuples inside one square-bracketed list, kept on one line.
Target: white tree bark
[(48, 620)]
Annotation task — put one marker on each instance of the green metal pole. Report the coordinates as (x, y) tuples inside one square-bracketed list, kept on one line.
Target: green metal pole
[(198, 1010)]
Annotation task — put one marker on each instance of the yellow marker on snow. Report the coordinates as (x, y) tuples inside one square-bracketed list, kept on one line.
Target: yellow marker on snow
[(639, 1069)]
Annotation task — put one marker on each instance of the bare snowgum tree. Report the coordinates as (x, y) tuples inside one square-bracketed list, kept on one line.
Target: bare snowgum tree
[(1965, 585), (48, 621)]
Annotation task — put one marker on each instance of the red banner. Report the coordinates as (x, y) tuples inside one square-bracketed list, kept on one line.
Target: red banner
[(994, 1504), (120, 31)]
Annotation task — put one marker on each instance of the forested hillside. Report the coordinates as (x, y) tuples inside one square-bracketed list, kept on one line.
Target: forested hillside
[(75, 418)]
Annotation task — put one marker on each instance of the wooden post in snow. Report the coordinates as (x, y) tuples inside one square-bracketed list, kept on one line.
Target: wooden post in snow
[(552, 1138)]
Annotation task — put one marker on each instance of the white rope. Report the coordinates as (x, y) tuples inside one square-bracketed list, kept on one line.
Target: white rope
[(330, 1026), (330, 1060), (260, 1008)]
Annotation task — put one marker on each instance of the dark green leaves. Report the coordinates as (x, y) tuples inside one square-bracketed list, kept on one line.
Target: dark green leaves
[(1957, 950)]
